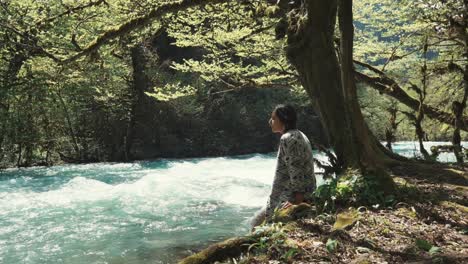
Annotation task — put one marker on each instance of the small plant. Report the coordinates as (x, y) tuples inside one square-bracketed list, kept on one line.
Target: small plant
[(351, 188), (325, 196), (290, 254), (261, 245), (271, 233), (274, 242), (426, 246)]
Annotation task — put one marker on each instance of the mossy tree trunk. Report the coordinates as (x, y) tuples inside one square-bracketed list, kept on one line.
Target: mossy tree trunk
[(332, 88)]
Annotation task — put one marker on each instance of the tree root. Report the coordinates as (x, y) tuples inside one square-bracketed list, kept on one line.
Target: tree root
[(234, 247), (230, 248)]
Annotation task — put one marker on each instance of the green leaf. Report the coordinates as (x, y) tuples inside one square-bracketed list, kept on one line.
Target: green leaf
[(331, 245), (346, 219), (290, 254), (434, 250), (444, 127), (423, 244)]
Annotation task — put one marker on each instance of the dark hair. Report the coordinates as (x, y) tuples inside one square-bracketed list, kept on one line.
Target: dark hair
[(287, 115)]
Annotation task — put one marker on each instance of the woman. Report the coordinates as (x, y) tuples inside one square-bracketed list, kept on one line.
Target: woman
[(294, 179)]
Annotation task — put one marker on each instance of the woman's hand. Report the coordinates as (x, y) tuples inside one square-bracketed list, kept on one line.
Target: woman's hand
[(298, 197), (286, 205)]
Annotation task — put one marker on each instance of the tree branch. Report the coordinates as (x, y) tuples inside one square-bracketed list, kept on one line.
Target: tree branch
[(138, 23), (385, 85), (69, 11)]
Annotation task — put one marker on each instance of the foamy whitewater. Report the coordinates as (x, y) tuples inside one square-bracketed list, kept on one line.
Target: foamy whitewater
[(142, 212)]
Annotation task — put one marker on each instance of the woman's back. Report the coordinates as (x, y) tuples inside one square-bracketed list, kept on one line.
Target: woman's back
[(294, 169)]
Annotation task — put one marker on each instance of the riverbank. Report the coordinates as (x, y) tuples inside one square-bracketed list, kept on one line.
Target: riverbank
[(427, 223), (405, 148)]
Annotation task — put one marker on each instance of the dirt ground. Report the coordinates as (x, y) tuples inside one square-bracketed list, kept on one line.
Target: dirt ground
[(427, 224)]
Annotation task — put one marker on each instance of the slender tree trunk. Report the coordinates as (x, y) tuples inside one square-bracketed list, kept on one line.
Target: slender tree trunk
[(20, 151), (71, 131), (30, 131), (393, 125), (422, 97), (389, 139), (140, 84), (48, 129), (420, 133), (3, 131), (310, 49), (416, 121)]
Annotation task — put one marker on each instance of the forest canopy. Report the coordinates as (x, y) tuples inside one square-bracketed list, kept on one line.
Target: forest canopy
[(73, 73)]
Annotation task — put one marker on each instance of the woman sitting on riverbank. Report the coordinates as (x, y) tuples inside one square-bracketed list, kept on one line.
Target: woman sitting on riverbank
[(294, 179)]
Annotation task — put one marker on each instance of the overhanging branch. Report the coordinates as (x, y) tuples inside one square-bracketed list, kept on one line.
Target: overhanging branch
[(138, 23), (386, 85)]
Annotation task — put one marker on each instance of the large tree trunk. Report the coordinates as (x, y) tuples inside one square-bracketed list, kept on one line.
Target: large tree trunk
[(310, 49), (459, 107)]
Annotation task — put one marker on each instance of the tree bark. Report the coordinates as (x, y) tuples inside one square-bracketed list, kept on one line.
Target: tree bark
[(420, 115), (459, 107), (311, 50)]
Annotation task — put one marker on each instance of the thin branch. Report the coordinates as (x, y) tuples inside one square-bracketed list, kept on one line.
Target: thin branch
[(257, 31), (393, 55), (69, 11)]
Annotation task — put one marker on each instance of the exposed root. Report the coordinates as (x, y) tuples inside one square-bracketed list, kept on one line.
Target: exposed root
[(220, 251)]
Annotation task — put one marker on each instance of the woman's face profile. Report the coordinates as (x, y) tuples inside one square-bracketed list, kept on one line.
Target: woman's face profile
[(276, 125)]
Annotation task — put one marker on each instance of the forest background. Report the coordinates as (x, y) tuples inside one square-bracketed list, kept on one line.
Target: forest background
[(85, 81)]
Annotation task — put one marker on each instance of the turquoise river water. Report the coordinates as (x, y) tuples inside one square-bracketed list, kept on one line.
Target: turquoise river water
[(140, 212)]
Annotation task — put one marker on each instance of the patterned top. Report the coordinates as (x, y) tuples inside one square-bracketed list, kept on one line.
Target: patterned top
[(294, 170)]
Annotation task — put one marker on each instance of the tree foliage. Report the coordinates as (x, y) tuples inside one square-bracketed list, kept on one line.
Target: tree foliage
[(67, 75)]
